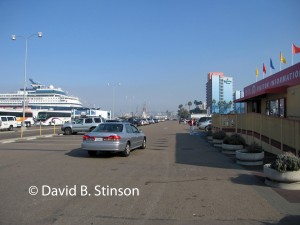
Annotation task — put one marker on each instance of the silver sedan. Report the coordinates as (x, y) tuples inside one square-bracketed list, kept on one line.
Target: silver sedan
[(114, 137)]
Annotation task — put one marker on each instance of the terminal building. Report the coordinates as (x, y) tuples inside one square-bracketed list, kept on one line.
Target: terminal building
[(277, 95), (272, 113)]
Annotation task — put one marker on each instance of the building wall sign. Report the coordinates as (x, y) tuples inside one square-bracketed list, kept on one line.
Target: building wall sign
[(287, 77), (227, 81)]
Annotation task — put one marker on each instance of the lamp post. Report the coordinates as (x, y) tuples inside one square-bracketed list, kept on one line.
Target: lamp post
[(113, 86), (26, 38)]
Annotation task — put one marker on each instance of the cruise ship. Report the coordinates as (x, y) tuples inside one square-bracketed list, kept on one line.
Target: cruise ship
[(40, 97)]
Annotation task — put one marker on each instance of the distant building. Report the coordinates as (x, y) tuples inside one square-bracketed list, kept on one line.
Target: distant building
[(219, 91), (238, 107)]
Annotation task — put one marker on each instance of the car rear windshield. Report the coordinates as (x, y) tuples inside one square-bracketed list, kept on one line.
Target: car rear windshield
[(109, 128)]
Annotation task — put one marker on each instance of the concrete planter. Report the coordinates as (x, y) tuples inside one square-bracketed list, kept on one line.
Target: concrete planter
[(217, 143), (243, 157), (288, 180), (209, 139), (230, 149)]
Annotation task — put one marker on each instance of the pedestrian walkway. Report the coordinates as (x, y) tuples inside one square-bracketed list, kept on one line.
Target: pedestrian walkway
[(234, 187)]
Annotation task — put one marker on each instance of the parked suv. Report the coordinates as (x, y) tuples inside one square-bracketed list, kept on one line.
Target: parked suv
[(81, 125), (204, 123), (8, 122)]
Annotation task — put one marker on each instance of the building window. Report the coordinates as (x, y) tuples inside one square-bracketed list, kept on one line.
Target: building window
[(276, 107), (282, 107)]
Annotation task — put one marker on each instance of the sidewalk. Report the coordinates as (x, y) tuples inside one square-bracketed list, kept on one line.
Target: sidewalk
[(236, 180)]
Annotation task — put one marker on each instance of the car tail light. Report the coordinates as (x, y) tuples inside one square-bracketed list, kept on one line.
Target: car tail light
[(88, 138), (112, 138)]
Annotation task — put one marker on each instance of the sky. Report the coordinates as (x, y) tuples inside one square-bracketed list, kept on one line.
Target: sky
[(154, 53)]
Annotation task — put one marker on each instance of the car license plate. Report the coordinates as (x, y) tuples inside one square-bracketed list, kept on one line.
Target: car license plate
[(98, 139)]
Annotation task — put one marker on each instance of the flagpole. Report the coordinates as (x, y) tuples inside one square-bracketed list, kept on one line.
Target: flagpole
[(280, 62), (280, 66), (292, 56)]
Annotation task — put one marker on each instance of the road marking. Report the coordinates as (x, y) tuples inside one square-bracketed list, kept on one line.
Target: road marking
[(30, 138), (7, 141), (47, 136)]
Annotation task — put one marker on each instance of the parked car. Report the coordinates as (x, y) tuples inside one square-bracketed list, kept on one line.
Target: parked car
[(114, 137), (151, 121), (115, 120), (133, 121), (140, 122), (155, 120), (204, 122), (8, 122), (81, 125), (145, 121)]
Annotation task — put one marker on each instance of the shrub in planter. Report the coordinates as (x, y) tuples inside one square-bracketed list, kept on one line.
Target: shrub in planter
[(234, 139), (284, 172), (233, 143), (254, 148), (219, 135), (209, 133), (286, 162), (252, 155)]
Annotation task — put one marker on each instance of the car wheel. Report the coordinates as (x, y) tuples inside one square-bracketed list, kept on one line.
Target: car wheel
[(10, 128), (68, 131), (144, 144), (92, 153), (126, 151)]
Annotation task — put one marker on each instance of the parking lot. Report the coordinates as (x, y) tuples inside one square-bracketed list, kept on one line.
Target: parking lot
[(177, 179)]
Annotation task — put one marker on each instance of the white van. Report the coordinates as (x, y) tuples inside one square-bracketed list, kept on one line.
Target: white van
[(8, 122)]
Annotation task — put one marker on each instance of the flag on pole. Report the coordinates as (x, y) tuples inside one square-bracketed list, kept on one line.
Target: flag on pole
[(295, 49), (271, 65), (256, 73), (264, 68), (282, 59)]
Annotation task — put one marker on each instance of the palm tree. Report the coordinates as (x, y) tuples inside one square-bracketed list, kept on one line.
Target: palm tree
[(190, 104), (214, 105), (197, 103), (230, 104)]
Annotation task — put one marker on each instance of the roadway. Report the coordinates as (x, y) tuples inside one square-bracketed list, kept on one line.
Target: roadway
[(180, 179)]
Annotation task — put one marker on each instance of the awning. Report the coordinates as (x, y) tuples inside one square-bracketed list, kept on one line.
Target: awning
[(277, 90)]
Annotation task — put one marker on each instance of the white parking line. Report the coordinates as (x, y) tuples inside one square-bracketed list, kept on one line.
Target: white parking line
[(30, 138), (7, 141)]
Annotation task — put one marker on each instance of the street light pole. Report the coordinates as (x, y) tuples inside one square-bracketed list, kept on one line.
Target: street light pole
[(113, 85), (14, 37)]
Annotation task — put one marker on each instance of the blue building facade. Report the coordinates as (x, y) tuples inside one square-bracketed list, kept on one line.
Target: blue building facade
[(219, 93), (238, 107)]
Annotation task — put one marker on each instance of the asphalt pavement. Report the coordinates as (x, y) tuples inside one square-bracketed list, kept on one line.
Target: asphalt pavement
[(178, 179)]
